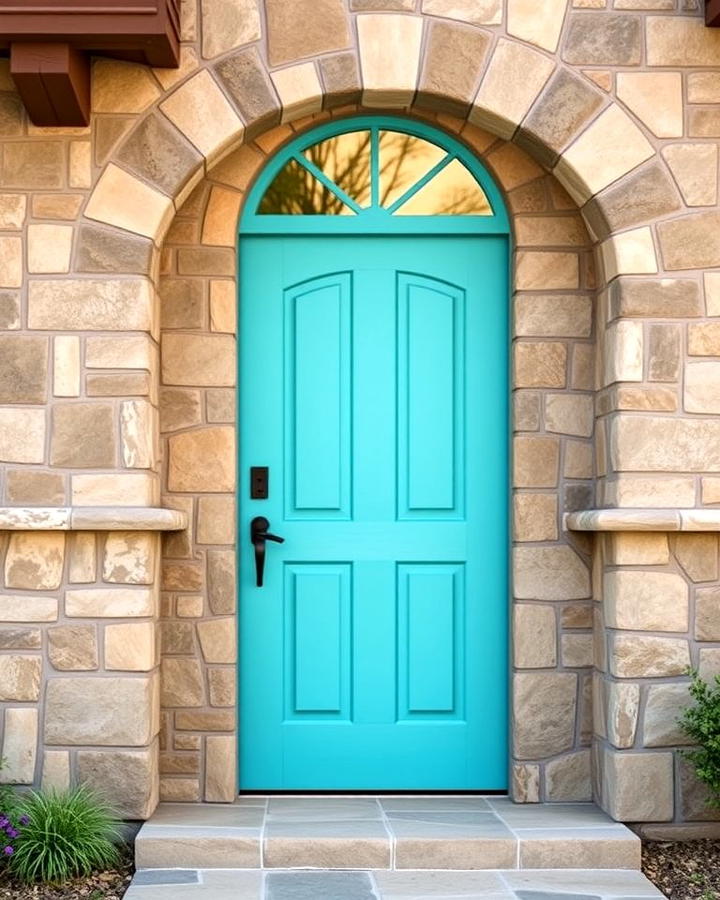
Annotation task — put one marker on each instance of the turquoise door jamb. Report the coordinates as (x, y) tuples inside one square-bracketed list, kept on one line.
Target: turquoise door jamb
[(370, 222)]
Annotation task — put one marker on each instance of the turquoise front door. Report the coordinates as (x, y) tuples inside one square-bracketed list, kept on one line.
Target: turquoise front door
[(374, 389)]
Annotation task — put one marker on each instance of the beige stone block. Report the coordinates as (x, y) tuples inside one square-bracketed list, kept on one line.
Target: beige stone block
[(239, 168), (525, 783), (55, 770), (19, 748), (123, 200), (33, 164), (608, 149), (80, 165), (24, 608), (526, 411), (121, 352), (663, 352), (91, 304), (704, 339), (221, 217), (711, 283), (218, 640), (182, 576), (538, 24), (305, 29), (179, 790), (227, 24), (34, 560), (663, 444), (703, 87), (535, 461), (208, 720), (13, 209), (710, 490), (56, 206), (664, 707), (66, 366), (576, 651), (139, 425), (623, 706), (546, 270), (644, 656), (72, 423), (535, 517), (122, 87), (179, 409), (114, 603), (203, 460), (11, 266), (698, 555), (553, 315), (220, 768), (646, 601), (707, 614), (202, 112), (655, 98), (181, 683), (130, 647), (656, 398), (123, 711), (127, 778), (223, 306), (73, 648), (512, 83), (454, 57), (623, 352), (680, 41), (23, 369), (568, 778), (34, 488), (549, 573), (130, 557), (639, 786), (49, 248), (709, 663), (569, 414), (513, 168), (198, 360), (190, 605), (20, 678), (216, 520), (627, 548), (222, 686), (476, 12), (137, 489), (534, 636), (629, 253), (389, 58), (540, 364), (544, 713), (578, 460), (651, 491), (695, 169)]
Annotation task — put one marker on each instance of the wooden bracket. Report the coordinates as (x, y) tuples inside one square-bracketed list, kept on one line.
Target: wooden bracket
[(53, 80)]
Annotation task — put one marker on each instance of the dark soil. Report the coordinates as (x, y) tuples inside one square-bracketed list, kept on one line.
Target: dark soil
[(683, 870), (110, 885)]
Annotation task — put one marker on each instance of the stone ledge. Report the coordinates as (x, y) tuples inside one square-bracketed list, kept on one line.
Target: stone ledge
[(91, 518), (643, 520)]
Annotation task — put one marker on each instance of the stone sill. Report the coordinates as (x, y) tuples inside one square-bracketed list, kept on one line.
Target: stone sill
[(91, 518), (643, 520)]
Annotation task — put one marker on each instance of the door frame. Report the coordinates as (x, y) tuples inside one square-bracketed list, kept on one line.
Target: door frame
[(251, 222)]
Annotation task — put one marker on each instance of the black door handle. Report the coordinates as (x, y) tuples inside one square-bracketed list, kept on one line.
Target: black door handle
[(259, 534)]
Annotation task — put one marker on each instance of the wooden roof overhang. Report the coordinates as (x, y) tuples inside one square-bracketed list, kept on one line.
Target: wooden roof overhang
[(49, 42), (712, 13)]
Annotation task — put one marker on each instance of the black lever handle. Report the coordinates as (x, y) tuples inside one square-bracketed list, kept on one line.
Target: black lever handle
[(259, 534)]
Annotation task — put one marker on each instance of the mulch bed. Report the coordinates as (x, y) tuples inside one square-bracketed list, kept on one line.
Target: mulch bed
[(110, 885), (683, 870)]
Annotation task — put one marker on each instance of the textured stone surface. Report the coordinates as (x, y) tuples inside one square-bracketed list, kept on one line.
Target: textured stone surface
[(655, 98), (121, 87), (300, 30), (109, 250), (535, 517), (657, 298), (664, 707), (642, 656), (112, 602), (90, 304), (623, 705), (122, 712), (220, 769), (544, 713), (19, 747), (680, 41), (389, 58), (540, 364), (72, 423), (123, 200), (454, 59), (534, 637), (603, 39), (158, 153), (221, 581), (695, 168), (130, 647), (645, 195), (73, 647), (203, 459), (49, 248), (477, 12), (23, 369), (691, 242), (20, 677), (535, 461), (245, 78), (181, 683), (218, 640), (549, 573), (198, 359), (698, 555), (646, 601), (707, 614), (127, 778), (639, 786), (34, 560), (568, 778), (227, 24)]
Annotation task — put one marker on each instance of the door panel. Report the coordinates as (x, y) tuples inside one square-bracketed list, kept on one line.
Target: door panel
[(373, 384)]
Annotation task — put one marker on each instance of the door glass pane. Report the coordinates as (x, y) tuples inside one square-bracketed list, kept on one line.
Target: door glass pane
[(452, 192), (295, 191), (345, 159), (404, 159)]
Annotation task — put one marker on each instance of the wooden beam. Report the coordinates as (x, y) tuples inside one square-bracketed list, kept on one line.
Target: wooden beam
[(53, 80), (712, 13)]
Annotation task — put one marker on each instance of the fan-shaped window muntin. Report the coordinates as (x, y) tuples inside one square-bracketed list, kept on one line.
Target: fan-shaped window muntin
[(370, 172)]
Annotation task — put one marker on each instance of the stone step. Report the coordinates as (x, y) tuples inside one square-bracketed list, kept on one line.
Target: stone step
[(384, 833)]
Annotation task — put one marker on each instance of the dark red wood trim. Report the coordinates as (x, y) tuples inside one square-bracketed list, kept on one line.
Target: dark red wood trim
[(53, 80), (712, 13)]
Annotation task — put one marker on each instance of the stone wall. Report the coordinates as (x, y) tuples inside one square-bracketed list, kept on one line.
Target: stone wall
[(616, 106)]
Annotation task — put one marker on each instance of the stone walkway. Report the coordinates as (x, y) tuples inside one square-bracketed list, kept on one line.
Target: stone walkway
[(407, 832), (554, 884)]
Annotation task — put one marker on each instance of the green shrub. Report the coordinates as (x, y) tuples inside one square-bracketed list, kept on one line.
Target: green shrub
[(67, 834), (701, 723)]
